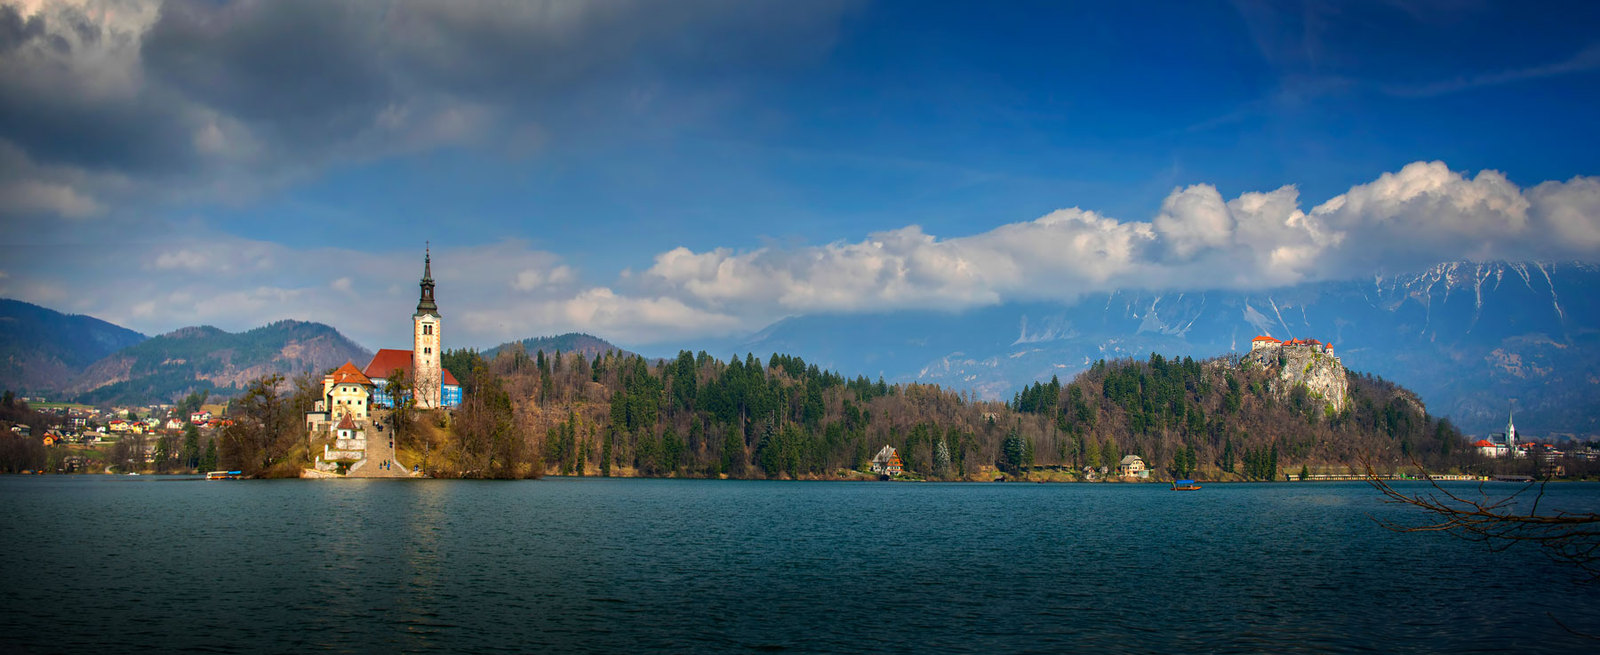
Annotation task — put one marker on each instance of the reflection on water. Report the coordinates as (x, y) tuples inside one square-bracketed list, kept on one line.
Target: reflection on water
[(629, 565)]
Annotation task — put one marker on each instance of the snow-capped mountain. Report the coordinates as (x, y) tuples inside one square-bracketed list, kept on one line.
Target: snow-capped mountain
[(1475, 340)]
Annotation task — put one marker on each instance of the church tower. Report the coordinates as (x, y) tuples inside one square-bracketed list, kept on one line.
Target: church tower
[(425, 343)]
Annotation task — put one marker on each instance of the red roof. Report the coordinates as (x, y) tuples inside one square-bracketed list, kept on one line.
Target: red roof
[(349, 373), (347, 424), (1265, 338), (387, 360), (1482, 443)]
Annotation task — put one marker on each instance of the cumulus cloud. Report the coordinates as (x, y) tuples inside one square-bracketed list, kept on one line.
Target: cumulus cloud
[(496, 292), (236, 284), (1423, 214)]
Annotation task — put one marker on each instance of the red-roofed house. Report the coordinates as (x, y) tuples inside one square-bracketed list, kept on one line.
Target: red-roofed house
[(1264, 342), (1486, 448), (347, 393)]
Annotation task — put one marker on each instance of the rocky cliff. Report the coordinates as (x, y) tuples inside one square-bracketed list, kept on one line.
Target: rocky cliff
[(1322, 374)]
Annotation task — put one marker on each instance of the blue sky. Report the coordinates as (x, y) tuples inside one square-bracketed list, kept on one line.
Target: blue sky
[(653, 172)]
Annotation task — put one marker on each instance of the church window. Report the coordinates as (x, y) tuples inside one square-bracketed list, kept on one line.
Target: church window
[(427, 329)]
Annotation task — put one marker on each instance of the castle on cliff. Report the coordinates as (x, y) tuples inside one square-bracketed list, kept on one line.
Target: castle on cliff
[(1307, 345), (1301, 362)]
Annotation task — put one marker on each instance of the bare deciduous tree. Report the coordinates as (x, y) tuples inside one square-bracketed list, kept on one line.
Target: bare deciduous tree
[(1500, 520)]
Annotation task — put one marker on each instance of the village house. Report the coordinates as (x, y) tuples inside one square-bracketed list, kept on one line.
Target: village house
[(1486, 448), (887, 462), (200, 418), (1132, 466)]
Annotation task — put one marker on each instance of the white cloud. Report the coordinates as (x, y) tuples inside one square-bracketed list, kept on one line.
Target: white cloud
[(1194, 218), (1423, 214), (201, 277), (1567, 213), (62, 199), (491, 293), (185, 259)]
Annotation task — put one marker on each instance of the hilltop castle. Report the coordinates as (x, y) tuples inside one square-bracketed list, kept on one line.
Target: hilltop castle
[(1301, 362), (1306, 345)]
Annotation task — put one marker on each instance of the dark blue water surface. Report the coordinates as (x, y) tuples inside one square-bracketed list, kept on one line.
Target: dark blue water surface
[(111, 564)]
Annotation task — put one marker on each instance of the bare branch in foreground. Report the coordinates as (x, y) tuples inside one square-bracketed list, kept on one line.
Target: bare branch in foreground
[(1501, 521)]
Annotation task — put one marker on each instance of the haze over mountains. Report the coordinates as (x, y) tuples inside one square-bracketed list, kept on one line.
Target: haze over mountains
[(41, 348), (1473, 340), (72, 357)]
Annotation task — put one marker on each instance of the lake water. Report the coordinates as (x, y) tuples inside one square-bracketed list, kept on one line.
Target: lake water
[(115, 564)]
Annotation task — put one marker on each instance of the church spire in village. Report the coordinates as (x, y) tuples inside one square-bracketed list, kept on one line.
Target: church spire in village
[(426, 305)]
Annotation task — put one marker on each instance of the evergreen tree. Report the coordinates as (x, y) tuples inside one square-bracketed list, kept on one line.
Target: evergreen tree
[(189, 454), (1013, 453), (208, 461)]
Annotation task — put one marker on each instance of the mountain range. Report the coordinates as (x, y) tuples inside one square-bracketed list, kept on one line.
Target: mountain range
[(207, 358), (1476, 341), (41, 349)]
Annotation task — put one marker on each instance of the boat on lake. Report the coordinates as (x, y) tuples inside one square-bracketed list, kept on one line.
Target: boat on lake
[(225, 475), (1185, 485)]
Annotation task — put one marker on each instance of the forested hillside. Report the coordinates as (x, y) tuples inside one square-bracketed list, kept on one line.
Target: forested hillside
[(41, 350), (204, 358), (619, 414)]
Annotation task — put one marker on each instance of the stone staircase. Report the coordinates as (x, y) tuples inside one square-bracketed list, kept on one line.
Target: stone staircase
[(365, 445)]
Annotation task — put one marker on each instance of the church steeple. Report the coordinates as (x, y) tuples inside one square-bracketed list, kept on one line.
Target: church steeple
[(426, 305), (428, 378)]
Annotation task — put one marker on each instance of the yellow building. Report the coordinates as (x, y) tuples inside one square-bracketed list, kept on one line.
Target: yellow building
[(347, 392)]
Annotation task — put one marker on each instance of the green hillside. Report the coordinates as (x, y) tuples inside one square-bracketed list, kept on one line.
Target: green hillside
[(169, 366), (42, 350)]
